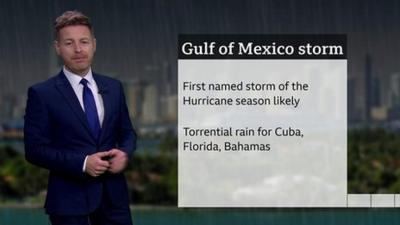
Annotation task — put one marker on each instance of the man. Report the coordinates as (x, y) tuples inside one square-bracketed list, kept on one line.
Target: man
[(77, 126)]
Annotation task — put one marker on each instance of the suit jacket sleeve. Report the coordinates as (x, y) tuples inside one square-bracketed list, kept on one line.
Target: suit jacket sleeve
[(127, 135), (38, 149)]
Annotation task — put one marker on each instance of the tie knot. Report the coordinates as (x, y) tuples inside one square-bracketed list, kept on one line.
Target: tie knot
[(84, 82)]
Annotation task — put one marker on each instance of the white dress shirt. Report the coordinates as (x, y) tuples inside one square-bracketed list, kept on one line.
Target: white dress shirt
[(74, 80)]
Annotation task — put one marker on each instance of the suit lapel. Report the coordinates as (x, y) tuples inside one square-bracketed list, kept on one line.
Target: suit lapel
[(106, 96), (66, 90)]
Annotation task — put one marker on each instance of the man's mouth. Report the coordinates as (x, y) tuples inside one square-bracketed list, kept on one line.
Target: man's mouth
[(79, 59)]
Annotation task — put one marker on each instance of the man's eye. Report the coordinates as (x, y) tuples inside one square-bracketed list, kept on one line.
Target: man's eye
[(68, 43)]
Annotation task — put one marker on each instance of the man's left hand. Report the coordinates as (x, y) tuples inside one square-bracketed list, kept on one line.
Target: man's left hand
[(118, 162)]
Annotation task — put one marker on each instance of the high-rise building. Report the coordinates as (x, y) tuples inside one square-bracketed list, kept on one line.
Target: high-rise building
[(8, 102), (394, 96), (372, 89), (151, 105), (170, 108), (18, 110), (351, 100), (394, 90), (134, 97), (169, 101)]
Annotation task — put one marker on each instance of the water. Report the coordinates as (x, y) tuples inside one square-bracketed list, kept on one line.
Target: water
[(150, 216)]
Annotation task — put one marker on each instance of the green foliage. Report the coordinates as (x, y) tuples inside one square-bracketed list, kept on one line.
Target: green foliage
[(373, 161), (18, 178), (169, 143), (373, 167), (25, 179), (152, 179), (6, 153)]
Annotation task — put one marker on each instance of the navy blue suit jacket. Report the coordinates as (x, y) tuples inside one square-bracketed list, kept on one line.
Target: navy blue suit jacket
[(58, 138)]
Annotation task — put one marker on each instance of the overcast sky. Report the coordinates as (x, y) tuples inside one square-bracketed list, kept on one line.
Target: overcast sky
[(139, 38)]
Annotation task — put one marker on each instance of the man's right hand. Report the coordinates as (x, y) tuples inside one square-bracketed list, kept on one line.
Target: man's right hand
[(95, 165)]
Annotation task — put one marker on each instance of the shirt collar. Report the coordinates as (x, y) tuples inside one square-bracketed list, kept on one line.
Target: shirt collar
[(75, 79)]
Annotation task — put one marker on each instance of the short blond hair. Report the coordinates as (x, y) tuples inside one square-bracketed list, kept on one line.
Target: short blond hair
[(70, 18)]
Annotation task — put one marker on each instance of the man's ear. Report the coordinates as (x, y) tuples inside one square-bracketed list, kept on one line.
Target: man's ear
[(57, 47), (94, 45)]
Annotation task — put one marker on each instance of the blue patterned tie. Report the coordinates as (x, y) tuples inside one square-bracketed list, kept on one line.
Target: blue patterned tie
[(90, 110)]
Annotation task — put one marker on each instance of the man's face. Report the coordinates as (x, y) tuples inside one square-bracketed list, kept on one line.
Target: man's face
[(76, 46)]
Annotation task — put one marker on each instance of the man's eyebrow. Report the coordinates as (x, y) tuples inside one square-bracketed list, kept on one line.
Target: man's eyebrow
[(68, 39), (71, 39)]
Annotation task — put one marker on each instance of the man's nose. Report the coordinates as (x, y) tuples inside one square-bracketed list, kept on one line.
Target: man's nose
[(78, 48)]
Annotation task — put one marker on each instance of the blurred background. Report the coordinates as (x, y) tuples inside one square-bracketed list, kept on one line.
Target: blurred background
[(137, 44)]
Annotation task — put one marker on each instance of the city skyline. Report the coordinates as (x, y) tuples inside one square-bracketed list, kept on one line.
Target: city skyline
[(138, 39)]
